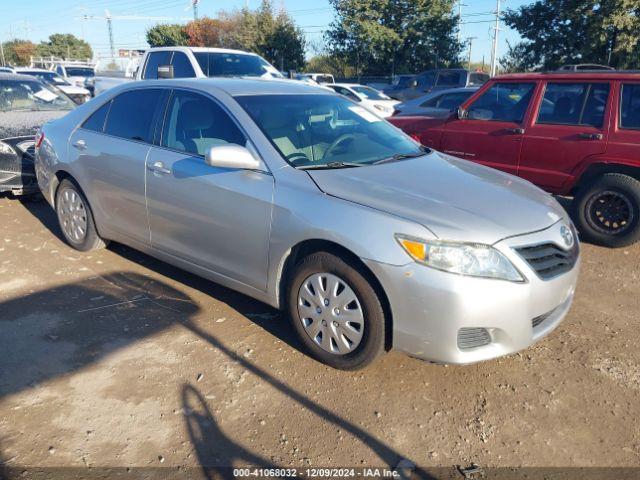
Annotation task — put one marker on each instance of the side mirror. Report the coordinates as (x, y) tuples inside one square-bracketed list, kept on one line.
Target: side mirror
[(165, 71), (462, 113), (231, 156)]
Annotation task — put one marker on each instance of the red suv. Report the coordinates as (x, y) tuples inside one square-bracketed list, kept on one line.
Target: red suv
[(575, 134)]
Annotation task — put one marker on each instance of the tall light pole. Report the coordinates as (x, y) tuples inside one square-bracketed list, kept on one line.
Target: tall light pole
[(110, 28), (494, 50), (470, 40)]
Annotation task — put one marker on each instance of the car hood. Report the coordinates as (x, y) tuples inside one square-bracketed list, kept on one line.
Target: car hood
[(455, 199), (19, 123), (73, 90)]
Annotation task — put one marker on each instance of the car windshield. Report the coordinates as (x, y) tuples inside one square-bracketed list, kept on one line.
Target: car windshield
[(48, 77), (30, 96), (80, 71), (370, 93), (404, 81), (220, 64), (325, 131)]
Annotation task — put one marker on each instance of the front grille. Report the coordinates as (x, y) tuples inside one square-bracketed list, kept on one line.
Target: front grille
[(469, 338), (549, 260)]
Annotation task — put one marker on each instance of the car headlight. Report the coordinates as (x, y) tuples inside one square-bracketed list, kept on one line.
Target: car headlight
[(6, 149), (475, 260)]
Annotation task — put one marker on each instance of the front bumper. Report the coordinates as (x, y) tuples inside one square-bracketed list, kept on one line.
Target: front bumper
[(430, 307)]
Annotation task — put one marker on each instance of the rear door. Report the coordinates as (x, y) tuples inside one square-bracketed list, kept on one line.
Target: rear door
[(111, 148), (571, 124), (492, 132), (624, 139)]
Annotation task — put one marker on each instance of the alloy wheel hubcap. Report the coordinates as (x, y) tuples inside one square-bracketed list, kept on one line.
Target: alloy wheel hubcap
[(610, 212), (73, 216), (331, 313)]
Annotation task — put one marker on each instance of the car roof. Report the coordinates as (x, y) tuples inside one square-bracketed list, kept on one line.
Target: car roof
[(29, 69), (238, 86), (201, 49), (571, 75)]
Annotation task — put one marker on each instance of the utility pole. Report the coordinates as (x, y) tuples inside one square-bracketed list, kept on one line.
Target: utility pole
[(494, 50), (194, 3), (460, 5), (110, 28), (470, 40), (2, 53)]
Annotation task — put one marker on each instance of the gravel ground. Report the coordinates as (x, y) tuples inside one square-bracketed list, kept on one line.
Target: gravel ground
[(114, 359)]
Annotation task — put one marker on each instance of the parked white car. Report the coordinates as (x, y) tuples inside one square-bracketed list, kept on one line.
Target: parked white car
[(369, 98), (78, 94), (438, 104), (319, 78), (76, 73)]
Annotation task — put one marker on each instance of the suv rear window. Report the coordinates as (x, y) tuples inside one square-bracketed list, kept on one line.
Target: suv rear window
[(574, 104), (630, 106)]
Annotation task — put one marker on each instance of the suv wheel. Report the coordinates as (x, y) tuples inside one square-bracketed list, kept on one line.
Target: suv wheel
[(336, 312), (75, 218), (607, 212)]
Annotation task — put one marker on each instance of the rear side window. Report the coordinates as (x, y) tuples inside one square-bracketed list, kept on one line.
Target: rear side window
[(630, 106), (182, 66), (449, 79), (195, 123), (503, 102), (574, 104), (133, 114), (154, 61), (448, 101), (96, 121), (478, 78)]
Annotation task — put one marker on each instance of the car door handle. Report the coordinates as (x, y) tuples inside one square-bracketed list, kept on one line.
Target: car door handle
[(158, 167), (515, 131), (80, 144), (591, 136)]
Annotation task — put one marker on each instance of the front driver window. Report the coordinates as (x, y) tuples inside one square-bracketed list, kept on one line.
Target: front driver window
[(503, 102), (195, 123)]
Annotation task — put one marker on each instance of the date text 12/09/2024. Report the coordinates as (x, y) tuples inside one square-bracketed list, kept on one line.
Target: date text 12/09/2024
[(316, 472)]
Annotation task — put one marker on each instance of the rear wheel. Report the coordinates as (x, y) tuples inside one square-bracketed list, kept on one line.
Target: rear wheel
[(336, 312), (75, 218), (607, 212)]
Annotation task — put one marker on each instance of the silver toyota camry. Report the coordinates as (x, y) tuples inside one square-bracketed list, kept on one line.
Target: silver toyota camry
[(306, 201)]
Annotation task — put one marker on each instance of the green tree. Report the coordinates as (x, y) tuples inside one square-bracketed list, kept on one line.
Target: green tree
[(556, 32), (65, 45), (382, 37), (18, 52), (284, 44), (167, 35)]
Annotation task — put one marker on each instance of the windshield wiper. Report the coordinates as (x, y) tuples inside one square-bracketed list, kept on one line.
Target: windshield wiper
[(330, 165), (402, 156)]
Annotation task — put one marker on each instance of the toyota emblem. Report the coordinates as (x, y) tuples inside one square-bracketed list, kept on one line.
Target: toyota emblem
[(567, 235)]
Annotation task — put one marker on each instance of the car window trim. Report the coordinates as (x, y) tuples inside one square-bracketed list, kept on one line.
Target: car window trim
[(620, 92), (533, 83), (590, 85)]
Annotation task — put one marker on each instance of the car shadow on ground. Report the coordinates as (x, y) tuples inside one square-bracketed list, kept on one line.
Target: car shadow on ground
[(55, 332)]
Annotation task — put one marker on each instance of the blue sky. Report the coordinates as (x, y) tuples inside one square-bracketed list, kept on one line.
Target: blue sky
[(37, 19)]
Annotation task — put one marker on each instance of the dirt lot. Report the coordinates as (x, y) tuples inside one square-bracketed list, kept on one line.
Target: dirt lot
[(116, 359)]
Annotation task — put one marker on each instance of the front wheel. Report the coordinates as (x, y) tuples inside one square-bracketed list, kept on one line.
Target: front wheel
[(607, 212), (336, 312)]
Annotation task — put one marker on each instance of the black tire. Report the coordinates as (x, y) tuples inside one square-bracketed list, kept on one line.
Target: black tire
[(90, 240), (372, 344), (607, 211)]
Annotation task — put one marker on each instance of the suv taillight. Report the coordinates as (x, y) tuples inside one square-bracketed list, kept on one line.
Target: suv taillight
[(39, 138)]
